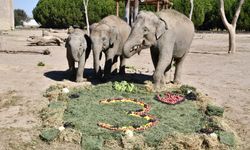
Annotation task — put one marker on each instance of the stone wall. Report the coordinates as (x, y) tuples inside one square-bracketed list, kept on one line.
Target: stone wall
[(6, 15)]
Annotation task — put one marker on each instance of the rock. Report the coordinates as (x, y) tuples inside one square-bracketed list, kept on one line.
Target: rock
[(49, 134), (214, 110)]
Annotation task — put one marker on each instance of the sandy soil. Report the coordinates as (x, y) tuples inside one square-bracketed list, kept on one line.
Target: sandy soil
[(225, 78)]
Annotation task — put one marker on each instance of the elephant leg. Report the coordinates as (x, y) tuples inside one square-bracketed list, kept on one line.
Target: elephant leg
[(164, 60), (71, 61), (108, 64), (80, 70), (114, 65), (178, 68), (122, 65), (168, 72), (154, 55)]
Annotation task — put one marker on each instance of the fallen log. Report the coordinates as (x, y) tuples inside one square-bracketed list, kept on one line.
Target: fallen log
[(44, 52), (45, 41)]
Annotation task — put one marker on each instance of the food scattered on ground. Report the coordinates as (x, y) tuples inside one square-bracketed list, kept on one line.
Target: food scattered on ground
[(170, 98), (213, 110), (61, 128), (142, 113), (65, 90), (49, 134), (129, 133), (124, 86), (41, 64), (129, 115), (227, 138), (210, 126)]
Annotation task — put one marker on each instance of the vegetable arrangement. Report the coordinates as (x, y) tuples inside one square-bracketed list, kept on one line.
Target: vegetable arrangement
[(124, 86), (142, 113), (170, 98)]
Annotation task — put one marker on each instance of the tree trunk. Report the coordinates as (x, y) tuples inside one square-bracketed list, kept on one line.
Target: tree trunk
[(232, 40), (231, 28), (136, 8), (127, 11), (191, 10), (117, 8), (86, 15)]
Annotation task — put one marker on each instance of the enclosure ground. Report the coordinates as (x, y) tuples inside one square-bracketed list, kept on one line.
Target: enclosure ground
[(208, 67)]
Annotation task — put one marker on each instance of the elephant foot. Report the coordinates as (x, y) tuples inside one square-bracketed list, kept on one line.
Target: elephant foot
[(106, 78), (176, 82), (157, 88), (81, 79)]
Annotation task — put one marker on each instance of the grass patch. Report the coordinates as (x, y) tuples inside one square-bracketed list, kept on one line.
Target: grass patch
[(85, 112)]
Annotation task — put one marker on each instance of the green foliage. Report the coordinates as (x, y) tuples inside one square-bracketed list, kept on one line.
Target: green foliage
[(213, 110), (201, 7), (49, 134), (41, 64), (59, 13), (244, 19), (227, 138), (206, 16), (65, 13), (124, 86), (20, 15)]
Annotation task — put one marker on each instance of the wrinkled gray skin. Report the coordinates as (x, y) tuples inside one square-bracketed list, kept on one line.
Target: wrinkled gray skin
[(78, 46), (168, 34), (109, 36)]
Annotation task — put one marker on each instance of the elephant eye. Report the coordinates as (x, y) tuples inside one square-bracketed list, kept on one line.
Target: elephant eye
[(104, 39), (145, 29)]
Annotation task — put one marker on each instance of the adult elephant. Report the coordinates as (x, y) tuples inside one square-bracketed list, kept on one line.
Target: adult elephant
[(109, 36), (168, 34)]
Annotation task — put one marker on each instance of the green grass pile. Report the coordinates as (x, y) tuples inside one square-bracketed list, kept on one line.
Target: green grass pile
[(84, 112)]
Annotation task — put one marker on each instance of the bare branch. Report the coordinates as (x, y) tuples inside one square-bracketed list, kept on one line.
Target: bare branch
[(237, 13), (191, 10), (223, 16)]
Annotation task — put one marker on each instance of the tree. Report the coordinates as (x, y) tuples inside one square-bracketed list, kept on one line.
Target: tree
[(86, 3), (59, 13), (231, 28), (20, 16), (191, 9)]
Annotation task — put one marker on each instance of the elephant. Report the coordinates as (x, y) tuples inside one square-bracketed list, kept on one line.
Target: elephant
[(109, 36), (168, 34), (78, 46)]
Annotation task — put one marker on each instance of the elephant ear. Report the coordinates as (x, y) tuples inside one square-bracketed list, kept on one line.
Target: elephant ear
[(113, 35), (67, 42), (161, 27), (88, 49)]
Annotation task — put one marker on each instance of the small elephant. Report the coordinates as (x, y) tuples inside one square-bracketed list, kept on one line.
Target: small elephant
[(109, 36), (168, 34), (78, 46)]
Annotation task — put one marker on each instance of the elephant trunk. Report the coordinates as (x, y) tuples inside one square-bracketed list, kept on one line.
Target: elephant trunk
[(132, 46), (97, 58)]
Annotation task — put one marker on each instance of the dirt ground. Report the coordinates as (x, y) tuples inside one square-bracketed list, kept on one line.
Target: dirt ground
[(225, 78)]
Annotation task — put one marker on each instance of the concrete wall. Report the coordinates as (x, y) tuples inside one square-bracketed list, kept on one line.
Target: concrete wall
[(6, 15)]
